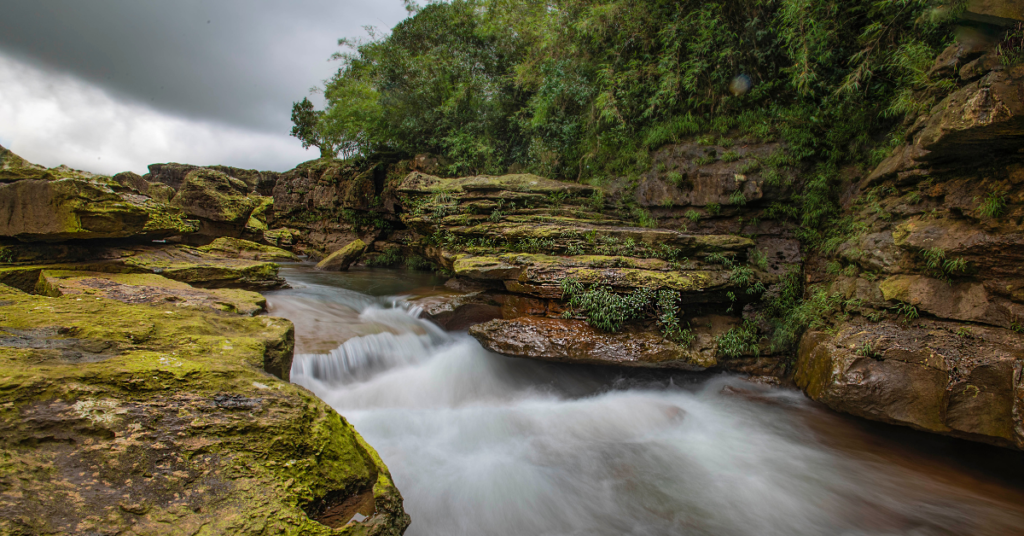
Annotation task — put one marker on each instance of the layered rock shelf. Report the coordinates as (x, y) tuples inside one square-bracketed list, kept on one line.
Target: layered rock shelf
[(144, 388)]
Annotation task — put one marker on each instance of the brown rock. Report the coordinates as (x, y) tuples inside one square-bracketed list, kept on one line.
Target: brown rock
[(456, 312), (924, 376), (966, 301), (573, 341)]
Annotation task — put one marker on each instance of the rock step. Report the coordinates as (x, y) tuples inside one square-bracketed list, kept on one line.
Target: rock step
[(573, 341)]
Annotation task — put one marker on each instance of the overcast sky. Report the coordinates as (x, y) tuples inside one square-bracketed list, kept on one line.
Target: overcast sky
[(115, 85)]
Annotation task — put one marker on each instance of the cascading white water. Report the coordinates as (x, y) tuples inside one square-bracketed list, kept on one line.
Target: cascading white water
[(480, 444)]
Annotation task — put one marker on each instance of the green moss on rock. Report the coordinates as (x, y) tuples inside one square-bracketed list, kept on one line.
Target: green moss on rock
[(245, 249), (205, 270), (162, 421), (56, 210)]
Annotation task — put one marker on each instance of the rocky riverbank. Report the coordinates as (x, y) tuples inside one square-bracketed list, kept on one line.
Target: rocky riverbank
[(145, 387), (144, 392)]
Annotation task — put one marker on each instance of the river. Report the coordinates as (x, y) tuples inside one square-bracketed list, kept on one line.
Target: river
[(480, 444)]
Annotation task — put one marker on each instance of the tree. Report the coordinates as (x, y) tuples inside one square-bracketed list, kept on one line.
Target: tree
[(310, 129)]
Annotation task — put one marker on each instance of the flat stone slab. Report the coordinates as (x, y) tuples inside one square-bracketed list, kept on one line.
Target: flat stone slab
[(573, 341), (205, 270), (149, 289)]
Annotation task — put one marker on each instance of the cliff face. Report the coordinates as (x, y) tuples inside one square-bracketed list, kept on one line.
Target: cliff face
[(936, 274), (913, 316)]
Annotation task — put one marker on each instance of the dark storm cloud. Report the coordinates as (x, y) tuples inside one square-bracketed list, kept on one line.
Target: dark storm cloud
[(240, 62)]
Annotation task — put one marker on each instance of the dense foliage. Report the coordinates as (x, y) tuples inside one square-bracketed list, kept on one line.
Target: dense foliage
[(586, 88)]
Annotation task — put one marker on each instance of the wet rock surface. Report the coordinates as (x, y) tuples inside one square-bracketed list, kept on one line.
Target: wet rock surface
[(573, 341), (931, 376)]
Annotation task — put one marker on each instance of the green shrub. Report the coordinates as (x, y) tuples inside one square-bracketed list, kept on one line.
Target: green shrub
[(993, 205), (391, 257), (730, 156)]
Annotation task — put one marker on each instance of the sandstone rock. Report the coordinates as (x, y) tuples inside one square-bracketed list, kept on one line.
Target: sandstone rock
[(1000, 12), (486, 186), (343, 258), (986, 116), (56, 210), (982, 120), (678, 175), (966, 301), (541, 275), (205, 270), (244, 249), (989, 254), (150, 289), (172, 174), (258, 218), (214, 196), (15, 168), (456, 312), (283, 237), (573, 341), (162, 420), (925, 376), (132, 181)]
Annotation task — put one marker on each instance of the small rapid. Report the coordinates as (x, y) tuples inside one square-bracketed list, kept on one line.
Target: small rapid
[(481, 444)]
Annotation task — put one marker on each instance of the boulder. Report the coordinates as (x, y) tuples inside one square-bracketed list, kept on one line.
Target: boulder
[(343, 258), (456, 312), (244, 249), (149, 289), (574, 341), (283, 237), (204, 270), (64, 209), (159, 420), (935, 376), (172, 174), (214, 196)]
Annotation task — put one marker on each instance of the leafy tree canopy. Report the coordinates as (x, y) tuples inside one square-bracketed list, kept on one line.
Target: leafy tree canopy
[(585, 89)]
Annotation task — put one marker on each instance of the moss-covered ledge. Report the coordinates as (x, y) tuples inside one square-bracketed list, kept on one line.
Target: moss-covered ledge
[(131, 419)]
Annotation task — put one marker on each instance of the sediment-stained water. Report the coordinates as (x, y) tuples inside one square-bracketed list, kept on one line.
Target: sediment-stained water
[(481, 444)]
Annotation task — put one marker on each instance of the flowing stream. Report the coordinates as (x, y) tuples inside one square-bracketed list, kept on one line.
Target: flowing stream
[(481, 444)]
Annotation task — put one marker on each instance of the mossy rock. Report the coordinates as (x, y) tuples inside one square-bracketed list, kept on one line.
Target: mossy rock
[(420, 183), (343, 258), (57, 210), (26, 277), (257, 222), (283, 237), (245, 249), (149, 289), (205, 270), (16, 168), (541, 275), (163, 421), (214, 196)]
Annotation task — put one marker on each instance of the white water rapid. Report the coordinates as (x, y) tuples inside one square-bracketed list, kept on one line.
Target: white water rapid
[(480, 444)]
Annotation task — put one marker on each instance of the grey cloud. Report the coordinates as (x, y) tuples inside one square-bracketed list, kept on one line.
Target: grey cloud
[(240, 62)]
